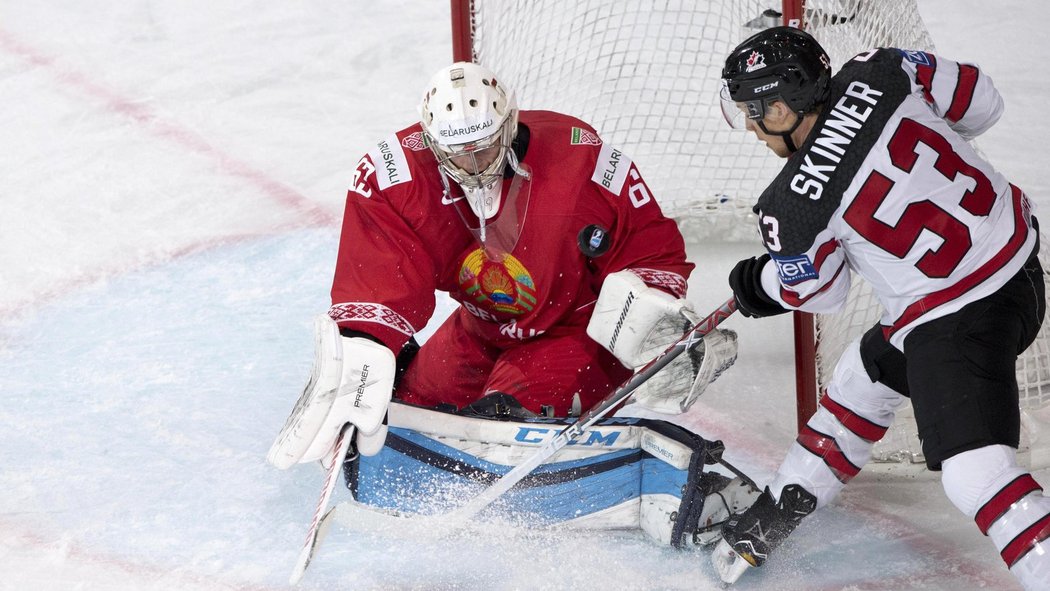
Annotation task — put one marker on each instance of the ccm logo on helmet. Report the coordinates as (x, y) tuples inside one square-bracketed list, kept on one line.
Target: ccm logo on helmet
[(766, 87), (794, 269)]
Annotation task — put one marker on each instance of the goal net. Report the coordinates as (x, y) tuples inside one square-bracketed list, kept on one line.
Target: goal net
[(646, 74)]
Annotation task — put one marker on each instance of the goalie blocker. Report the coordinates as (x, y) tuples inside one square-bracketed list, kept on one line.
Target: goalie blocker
[(622, 473)]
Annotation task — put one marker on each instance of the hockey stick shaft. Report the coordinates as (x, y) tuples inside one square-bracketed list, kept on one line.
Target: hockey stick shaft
[(569, 434), (319, 523)]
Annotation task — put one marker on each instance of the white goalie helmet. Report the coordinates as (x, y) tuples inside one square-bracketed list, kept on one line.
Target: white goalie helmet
[(470, 120)]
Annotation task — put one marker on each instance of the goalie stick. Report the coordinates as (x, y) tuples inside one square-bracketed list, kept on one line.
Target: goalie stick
[(322, 519)]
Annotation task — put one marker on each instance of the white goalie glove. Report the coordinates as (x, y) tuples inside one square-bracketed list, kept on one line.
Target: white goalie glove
[(636, 323), (352, 382)]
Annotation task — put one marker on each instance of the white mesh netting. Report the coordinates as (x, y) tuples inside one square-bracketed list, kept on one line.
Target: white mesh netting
[(646, 75)]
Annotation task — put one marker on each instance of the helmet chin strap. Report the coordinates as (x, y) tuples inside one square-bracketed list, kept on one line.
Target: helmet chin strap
[(786, 135)]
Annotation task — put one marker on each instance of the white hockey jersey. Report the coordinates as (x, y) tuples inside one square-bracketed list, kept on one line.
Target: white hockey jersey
[(886, 185)]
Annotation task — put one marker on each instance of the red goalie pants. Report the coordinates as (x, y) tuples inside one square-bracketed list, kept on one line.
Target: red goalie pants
[(456, 366)]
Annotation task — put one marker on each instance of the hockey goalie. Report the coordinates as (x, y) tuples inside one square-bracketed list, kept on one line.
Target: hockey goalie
[(568, 279)]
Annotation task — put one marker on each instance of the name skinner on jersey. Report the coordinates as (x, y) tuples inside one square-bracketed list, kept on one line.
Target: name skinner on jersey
[(833, 138)]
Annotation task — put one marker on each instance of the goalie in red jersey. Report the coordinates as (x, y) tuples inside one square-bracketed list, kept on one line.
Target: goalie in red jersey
[(567, 274)]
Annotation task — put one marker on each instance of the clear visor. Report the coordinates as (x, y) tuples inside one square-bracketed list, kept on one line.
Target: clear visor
[(499, 236), (736, 113)]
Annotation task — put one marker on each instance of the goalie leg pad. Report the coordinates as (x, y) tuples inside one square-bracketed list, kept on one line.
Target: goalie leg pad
[(623, 472), (704, 500)]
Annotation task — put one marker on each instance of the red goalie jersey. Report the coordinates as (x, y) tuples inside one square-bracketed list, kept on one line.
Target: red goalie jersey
[(887, 176), (584, 213)]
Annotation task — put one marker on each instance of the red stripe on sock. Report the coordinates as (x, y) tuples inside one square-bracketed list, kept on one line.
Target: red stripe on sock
[(861, 427), (827, 449), (1026, 540), (1001, 502)]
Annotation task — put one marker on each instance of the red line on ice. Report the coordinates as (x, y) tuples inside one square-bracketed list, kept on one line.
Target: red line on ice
[(177, 575), (156, 125)]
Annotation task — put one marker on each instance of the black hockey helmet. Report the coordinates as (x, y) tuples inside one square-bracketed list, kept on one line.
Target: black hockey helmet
[(779, 63)]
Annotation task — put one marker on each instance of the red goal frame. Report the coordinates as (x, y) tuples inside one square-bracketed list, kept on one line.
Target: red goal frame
[(804, 325)]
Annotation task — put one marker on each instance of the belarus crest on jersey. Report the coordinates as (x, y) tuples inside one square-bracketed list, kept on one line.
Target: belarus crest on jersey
[(504, 288), (755, 61)]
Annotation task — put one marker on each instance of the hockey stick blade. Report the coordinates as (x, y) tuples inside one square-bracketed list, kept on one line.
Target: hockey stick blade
[(570, 433), (322, 518)]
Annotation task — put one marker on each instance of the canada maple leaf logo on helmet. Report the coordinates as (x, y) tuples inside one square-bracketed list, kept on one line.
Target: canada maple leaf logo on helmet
[(755, 61)]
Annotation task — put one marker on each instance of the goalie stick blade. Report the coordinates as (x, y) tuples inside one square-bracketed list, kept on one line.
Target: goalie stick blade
[(310, 549), (322, 518), (729, 565)]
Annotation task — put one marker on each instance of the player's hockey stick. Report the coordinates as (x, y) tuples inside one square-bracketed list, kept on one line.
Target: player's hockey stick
[(569, 434), (322, 518)]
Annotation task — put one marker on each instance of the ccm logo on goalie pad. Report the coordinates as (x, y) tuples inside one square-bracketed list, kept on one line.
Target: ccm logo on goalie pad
[(794, 269), (541, 435)]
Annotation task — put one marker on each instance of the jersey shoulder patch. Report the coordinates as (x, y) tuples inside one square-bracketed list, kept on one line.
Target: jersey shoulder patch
[(415, 141), (392, 168), (610, 171), (917, 57), (584, 137)]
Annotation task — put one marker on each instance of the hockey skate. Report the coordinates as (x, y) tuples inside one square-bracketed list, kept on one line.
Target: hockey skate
[(748, 538)]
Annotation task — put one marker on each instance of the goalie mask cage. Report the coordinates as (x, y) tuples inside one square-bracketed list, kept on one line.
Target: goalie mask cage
[(646, 74)]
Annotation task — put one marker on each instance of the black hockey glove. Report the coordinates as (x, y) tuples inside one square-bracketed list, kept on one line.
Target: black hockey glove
[(746, 282)]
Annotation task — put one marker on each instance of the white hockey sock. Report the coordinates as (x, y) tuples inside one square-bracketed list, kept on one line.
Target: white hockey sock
[(1008, 506), (837, 441)]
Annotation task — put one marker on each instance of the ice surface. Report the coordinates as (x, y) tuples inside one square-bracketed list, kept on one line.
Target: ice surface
[(172, 176)]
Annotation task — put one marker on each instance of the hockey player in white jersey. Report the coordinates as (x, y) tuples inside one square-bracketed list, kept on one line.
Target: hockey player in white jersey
[(880, 181)]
